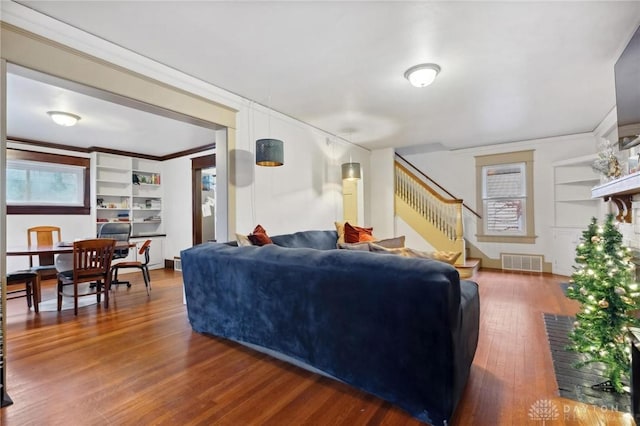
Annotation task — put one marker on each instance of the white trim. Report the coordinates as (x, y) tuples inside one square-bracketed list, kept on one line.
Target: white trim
[(526, 144)]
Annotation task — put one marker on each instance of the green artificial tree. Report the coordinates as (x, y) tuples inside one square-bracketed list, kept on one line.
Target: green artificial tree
[(604, 284)]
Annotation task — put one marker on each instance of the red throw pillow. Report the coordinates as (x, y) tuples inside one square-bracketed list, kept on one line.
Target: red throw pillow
[(259, 237), (356, 234)]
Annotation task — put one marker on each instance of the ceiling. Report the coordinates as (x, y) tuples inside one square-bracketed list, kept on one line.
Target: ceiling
[(106, 121), (511, 71)]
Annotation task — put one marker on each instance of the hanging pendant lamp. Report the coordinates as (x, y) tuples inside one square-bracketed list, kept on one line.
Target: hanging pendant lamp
[(269, 152), (351, 171)]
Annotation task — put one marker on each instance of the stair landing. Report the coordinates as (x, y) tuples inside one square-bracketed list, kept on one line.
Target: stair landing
[(468, 268)]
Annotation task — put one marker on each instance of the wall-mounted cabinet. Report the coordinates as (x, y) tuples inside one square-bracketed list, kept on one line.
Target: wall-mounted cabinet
[(129, 190)]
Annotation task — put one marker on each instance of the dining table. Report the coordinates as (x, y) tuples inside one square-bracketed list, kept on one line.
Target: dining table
[(58, 248), (34, 250)]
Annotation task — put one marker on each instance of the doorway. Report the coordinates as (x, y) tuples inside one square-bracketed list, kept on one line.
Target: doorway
[(203, 188)]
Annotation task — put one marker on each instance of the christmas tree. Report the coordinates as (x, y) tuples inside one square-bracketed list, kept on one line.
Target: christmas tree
[(604, 284)]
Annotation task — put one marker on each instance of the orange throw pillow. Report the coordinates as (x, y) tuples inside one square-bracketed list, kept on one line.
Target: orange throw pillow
[(259, 237), (356, 234)]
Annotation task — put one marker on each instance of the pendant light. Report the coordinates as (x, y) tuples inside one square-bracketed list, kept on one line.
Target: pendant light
[(269, 152), (351, 171)]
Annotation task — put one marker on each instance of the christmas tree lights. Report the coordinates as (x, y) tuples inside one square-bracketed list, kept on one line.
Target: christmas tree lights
[(604, 284)]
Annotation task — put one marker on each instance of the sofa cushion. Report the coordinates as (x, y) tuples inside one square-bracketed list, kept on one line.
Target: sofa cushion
[(395, 242), (340, 231), (357, 234), (363, 246), (443, 256), (243, 240), (320, 240), (259, 237)]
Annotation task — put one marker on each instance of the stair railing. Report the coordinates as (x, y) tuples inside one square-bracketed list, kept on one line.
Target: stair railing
[(444, 214)]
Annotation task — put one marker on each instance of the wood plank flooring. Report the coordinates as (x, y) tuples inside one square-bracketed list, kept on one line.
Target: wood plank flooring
[(139, 363)]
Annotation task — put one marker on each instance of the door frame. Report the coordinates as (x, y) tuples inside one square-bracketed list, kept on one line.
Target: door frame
[(197, 164)]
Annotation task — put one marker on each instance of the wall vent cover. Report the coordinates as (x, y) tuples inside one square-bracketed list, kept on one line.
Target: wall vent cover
[(522, 262)]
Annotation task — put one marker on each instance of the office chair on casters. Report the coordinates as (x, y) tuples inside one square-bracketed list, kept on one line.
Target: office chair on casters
[(144, 250), (119, 231)]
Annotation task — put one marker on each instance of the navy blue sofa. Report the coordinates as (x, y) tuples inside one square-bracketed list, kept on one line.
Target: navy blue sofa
[(403, 329)]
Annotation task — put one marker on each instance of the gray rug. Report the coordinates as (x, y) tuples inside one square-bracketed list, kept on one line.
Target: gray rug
[(575, 383)]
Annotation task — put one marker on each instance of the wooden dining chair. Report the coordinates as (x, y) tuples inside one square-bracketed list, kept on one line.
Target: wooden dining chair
[(28, 283), (144, 268), (43, 236), (91, 262)]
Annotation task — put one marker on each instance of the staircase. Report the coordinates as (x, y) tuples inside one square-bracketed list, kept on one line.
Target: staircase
[(436, 218)]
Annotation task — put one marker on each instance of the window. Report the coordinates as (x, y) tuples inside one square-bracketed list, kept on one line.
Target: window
[(39, 183), (504, 199), (506, 195)]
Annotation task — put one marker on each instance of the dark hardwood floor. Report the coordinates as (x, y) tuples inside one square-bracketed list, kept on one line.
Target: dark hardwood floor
[(138, 362)]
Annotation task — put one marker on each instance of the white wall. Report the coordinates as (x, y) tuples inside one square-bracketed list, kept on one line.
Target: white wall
[(455, 170), (177, 215), (303, 194), (382, 183)]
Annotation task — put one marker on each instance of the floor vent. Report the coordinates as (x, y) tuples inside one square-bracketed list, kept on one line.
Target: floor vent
[(522, 262), (177, 263)]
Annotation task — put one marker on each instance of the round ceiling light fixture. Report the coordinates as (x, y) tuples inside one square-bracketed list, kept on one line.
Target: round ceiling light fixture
[(422, 75), (63, 118)]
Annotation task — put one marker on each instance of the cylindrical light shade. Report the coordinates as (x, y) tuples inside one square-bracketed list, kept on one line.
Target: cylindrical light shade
[(269, 152), (351, 171)]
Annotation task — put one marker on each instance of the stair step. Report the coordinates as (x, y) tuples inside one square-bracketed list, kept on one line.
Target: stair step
[(468, 268)]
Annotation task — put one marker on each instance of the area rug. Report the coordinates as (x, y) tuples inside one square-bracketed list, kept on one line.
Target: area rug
[(575, 383), (51, 305), (564, 287)]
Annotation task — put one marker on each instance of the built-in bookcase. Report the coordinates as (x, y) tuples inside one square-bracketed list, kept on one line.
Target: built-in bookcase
[(129, 190)]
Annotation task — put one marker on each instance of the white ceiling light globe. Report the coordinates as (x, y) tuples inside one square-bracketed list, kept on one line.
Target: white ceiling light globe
[(422, 75), (63, 118)]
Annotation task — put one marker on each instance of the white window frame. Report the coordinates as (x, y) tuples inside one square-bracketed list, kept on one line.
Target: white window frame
[(521, 196)]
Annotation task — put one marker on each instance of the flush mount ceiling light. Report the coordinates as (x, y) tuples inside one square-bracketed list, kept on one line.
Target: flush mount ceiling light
[(422, 75), (63, 118)]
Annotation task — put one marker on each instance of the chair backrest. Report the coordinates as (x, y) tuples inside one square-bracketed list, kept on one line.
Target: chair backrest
[(119, 231), (144, 249), (43, 236), (92, 259)]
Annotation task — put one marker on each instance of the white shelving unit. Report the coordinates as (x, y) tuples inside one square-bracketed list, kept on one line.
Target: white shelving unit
[(573, 204), (129, 189), (573, 208), (146, 211), (113, 187)]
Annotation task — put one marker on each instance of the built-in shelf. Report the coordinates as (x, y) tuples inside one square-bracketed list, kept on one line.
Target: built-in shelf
[(121, 198), (626, 185), (573, 202)]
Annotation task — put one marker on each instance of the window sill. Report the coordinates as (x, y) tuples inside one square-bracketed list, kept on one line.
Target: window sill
[(510, 239), (48, 210)]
